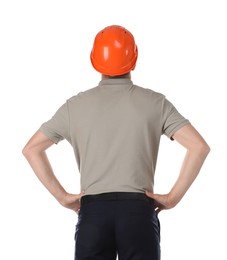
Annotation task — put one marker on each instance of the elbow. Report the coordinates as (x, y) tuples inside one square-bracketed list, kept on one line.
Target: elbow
[(200, 149), (204, 149), (26, 151)]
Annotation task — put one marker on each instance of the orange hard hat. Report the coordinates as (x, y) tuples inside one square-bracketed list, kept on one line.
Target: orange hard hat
[(114, 51)]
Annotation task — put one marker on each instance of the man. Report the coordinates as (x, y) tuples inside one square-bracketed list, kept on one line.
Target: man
[(115, 130)]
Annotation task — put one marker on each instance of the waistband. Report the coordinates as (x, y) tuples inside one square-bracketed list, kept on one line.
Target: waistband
[(114, 196)]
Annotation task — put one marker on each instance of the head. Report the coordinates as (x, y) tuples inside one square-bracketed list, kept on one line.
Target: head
[(114, 52)]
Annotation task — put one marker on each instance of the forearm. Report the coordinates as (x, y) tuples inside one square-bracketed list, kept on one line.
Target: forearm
[(43, 170), (197, 151), (191, 166)]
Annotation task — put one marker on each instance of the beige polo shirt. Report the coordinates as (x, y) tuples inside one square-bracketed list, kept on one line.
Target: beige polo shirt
[(115, 131)]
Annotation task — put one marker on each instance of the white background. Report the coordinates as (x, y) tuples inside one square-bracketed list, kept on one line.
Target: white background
[(44, 59)]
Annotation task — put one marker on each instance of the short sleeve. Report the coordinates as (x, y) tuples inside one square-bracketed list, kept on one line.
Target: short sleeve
[(172, 119), (57, 128)]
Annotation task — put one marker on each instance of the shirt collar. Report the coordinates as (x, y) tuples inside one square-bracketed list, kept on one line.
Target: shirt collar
[(115, 82)]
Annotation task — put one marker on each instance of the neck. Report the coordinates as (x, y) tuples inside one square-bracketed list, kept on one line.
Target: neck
[(127, 75)]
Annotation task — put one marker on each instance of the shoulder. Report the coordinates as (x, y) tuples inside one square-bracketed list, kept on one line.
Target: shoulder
[(83, 95), (149, 93)]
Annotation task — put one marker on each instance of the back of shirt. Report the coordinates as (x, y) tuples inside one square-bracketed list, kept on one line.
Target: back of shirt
[(115, 130)]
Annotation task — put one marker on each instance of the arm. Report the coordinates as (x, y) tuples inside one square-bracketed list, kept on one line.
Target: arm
[(35, 153), (197, 151)]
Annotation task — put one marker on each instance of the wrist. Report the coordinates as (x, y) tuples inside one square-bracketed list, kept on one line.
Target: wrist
[(61, 197), (172, 200)]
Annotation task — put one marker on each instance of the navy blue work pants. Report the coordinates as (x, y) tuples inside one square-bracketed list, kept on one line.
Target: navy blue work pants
[(117, 224)]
